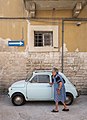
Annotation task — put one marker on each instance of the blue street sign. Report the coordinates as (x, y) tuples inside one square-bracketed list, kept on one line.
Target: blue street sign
[(16, 43)]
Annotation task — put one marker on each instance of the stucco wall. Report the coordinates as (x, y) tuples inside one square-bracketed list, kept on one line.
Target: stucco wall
[(11, 8)]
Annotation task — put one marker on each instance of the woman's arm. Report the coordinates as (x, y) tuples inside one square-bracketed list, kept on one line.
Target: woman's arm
[(60, 86), (52, 80)]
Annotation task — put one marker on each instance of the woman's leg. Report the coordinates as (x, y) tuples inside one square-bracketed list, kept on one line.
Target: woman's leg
[(56, 106), (65, 106)]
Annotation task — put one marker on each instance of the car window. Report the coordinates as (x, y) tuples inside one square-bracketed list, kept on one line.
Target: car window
[(29, 76), (34, 79), (41, 79)]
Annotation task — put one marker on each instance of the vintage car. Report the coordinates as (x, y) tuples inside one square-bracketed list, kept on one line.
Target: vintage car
[(37, 88)]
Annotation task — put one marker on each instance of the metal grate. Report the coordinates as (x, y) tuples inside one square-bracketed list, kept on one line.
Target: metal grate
[(43, 38)]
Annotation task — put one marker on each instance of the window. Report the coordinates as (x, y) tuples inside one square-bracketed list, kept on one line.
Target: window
[(43, 38), (34, 79), (41, 79)]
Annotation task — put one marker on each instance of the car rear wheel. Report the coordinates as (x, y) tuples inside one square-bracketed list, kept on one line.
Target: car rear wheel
[(18, 99), (69, 98)]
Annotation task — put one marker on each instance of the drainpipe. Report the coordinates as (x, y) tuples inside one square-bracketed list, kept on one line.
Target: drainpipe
[(62, 59)]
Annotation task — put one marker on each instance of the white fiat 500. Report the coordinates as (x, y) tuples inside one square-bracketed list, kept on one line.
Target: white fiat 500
[(37, 88)]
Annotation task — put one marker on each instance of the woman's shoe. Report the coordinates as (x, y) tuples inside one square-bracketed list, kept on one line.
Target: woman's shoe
[(54, 110), (65, 109)]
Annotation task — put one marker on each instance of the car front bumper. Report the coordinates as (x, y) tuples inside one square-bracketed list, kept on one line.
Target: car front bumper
[(79, 93)]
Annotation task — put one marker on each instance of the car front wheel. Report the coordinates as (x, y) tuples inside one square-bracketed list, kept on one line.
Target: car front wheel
[(69, 98), (18, 99)]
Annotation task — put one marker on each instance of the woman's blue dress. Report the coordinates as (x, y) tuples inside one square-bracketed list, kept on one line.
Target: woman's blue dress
[(62, 96)]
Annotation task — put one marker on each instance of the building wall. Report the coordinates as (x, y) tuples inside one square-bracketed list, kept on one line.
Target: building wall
[(17, 62), (12, 8)]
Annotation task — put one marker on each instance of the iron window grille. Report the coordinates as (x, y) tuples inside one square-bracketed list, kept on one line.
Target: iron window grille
[(43, 38)]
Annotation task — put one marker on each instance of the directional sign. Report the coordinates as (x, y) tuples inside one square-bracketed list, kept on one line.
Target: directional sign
[(16, 43)]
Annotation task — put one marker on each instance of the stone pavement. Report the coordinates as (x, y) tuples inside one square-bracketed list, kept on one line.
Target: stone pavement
[(42, 110)]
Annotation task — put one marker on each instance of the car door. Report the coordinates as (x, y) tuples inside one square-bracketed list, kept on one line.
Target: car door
[(39, 88)]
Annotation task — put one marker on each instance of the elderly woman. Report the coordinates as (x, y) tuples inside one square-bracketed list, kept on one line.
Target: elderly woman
[(59, 90)]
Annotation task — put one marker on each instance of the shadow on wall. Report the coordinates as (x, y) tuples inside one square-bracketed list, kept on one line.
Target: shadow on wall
[(3, 88), (84, 90)]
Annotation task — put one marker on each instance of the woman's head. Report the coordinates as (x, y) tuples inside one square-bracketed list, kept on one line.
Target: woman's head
[(54, 71)]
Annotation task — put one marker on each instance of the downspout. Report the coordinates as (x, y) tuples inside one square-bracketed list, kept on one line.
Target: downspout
[(62, 59)]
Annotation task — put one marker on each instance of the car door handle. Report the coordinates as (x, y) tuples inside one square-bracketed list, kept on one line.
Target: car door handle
[(49, 86)]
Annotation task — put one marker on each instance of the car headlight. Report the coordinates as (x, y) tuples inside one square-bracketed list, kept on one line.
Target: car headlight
[(10, 89)]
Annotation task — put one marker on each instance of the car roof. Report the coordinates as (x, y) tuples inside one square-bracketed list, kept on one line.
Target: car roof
[(42, 72)]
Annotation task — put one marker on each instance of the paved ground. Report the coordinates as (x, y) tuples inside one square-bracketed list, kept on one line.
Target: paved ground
[(42, 110)]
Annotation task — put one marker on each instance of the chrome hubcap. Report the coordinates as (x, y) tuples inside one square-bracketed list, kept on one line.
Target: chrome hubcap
[(18, 100), (68, 100)]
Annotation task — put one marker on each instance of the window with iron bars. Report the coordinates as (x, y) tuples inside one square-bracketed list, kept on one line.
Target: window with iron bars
[(43, 38)]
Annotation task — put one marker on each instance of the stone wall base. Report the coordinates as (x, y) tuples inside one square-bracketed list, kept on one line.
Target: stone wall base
[(15, 66)]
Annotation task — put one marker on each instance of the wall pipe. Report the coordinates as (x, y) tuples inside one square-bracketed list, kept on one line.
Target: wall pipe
[(42, 18), (62, 59)]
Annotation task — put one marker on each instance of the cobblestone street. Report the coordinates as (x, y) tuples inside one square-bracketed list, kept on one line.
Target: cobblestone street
[(42, 110)]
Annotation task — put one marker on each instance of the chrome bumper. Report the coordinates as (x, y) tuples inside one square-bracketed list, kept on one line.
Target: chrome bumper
[(79, 93)]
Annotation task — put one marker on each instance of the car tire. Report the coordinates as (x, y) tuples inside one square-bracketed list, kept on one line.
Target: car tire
[(18, 99), (69, 98)]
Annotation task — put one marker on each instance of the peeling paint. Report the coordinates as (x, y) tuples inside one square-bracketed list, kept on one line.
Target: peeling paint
[(4, 46), (65, 48), (26, 12), (4, 41), (77, 50), (28, 31)]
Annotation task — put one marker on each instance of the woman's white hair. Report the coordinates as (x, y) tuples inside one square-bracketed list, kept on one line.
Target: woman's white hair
[(54, 69)]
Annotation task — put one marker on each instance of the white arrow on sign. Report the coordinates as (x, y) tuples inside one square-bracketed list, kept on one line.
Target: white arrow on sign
[(16, 43)]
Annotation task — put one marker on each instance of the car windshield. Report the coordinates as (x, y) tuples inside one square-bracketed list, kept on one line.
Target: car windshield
[(28, 76)]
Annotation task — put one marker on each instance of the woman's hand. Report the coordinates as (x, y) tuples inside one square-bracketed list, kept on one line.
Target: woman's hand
[(51, 84), (58, 92)]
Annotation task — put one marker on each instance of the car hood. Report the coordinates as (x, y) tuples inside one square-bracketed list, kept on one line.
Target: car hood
[(19, 84)]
